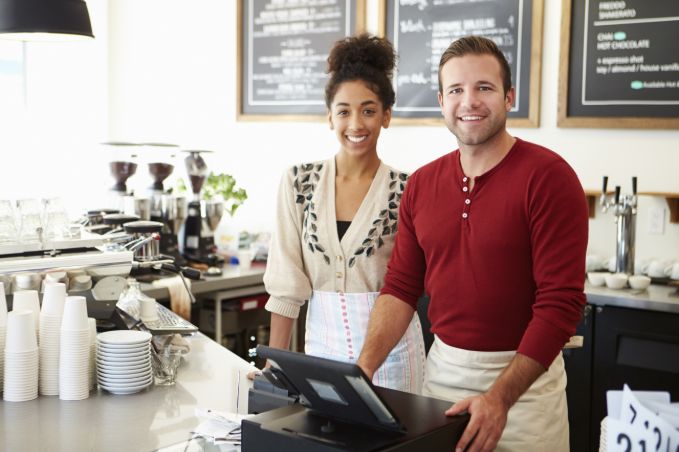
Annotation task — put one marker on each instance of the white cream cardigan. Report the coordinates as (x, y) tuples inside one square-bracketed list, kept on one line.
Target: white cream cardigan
[(306, 254)]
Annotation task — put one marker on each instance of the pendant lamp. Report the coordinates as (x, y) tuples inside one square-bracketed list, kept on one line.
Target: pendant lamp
[(44, 20)]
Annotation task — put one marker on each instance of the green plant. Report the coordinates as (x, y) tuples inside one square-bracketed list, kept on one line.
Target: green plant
[(219, 186), (224, 186)]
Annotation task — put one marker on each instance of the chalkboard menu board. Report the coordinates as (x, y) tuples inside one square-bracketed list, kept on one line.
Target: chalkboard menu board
[(422, 30), (283, 47), (619, 64)]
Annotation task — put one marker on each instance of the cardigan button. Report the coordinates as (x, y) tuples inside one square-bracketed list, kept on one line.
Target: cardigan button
[(339, 274), (339, 258)]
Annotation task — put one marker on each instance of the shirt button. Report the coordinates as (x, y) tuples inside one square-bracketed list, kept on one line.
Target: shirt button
[(467, 201), (465, 179), (465, 188), (339, 274), (464, 215)]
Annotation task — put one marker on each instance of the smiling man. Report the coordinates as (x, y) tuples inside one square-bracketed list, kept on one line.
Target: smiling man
[(496, 233)]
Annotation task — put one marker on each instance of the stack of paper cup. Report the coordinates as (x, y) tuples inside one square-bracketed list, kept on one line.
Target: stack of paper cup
[(74, 351), (28, 300), (3, 328), (92, 323), (21, 357), (50, 333)]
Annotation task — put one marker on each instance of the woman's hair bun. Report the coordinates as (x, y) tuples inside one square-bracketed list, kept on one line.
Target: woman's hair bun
[(363, 50), (362, 57)]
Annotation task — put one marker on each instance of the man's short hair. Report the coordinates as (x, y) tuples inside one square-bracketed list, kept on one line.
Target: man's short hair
[(477, 45)]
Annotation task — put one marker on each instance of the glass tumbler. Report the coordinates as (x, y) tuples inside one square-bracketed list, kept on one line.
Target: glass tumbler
[(165, 365)]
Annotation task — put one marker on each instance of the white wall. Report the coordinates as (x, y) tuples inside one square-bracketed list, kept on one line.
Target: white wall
[(49, 145)]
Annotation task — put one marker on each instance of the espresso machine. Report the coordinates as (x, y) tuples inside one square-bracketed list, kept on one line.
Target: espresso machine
[(625, 211), (197, 234)]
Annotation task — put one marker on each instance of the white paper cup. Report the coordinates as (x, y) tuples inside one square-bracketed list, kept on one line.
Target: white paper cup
[(245, 259), (75, 315), (28, 300), (148, 310), (53, 300), (20, 335)]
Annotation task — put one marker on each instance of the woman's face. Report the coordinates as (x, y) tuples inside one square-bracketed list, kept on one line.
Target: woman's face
[(357, 116)]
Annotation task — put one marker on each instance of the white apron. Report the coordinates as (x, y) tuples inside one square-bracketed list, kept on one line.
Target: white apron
[(336, 326), (538, 421)]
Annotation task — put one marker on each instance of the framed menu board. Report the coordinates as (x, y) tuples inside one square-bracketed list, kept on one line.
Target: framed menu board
[(283, 46), (619, 64), (421, 31)]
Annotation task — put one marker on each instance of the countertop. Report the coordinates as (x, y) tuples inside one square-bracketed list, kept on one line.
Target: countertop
[(210, 377), (235, 279), (654, 298)]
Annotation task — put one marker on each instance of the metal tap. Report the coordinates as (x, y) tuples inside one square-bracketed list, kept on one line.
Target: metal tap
[(625, 211)]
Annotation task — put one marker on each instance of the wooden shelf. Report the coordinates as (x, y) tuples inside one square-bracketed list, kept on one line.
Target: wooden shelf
[(671, 198)]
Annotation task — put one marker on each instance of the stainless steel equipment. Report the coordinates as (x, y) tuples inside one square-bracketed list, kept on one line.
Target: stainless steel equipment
[(625, 211), (196, 238), (145, 243)]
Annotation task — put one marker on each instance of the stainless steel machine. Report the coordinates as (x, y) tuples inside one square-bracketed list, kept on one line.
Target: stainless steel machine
[(197, 234), (625, 211)]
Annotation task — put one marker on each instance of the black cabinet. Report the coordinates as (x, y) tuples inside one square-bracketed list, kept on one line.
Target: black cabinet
[(621, 345), (578, 363), (633, 346)]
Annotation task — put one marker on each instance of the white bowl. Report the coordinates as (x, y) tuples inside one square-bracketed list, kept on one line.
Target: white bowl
[(597, 278), (616, 280), (639, 282)]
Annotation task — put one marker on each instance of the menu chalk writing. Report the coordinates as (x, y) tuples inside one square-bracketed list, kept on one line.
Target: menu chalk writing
[(623, 60), (284, 46), (421, 30)]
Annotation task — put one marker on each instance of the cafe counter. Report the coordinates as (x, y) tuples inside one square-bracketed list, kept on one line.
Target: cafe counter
[(209, 377)]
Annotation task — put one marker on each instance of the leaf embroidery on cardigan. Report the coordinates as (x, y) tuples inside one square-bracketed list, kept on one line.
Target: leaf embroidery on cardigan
[(385, 224), (307, 176)]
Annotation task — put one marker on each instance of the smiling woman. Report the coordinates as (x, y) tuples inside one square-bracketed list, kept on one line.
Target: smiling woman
[(336, 223)]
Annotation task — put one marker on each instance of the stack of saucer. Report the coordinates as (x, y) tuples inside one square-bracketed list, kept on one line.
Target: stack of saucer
[(124, 361), (21, 357), (49, 339), (3, 328)]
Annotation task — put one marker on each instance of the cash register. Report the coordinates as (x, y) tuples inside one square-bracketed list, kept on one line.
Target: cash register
[(339, 409)]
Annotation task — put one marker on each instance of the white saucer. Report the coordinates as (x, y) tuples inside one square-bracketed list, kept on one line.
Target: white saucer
[(124, 337)]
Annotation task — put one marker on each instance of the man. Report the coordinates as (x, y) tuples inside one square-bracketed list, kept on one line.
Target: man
[(496, 233)]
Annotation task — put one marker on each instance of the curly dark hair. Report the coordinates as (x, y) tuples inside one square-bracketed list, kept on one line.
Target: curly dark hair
[(366, 58)]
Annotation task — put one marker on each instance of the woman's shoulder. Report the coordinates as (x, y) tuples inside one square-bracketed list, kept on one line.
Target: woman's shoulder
[(308, 168), (395, 178)]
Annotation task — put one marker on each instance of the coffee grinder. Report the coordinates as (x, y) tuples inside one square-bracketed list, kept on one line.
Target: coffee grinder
[(165, 207), (196, 238), (122, 165)]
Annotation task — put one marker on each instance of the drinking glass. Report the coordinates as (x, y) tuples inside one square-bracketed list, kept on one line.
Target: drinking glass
[(165, 365), (30, 220), (56, 219), (8, 231)]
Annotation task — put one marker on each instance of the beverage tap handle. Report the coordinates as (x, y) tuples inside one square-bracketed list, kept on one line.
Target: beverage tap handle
[(634, 185), (605, 186), (617, 194)]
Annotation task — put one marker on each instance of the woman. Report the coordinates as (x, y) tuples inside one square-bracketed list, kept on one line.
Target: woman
[(336, 223)]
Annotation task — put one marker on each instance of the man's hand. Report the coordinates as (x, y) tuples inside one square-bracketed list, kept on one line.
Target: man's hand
[(488, 420), (489, 410)]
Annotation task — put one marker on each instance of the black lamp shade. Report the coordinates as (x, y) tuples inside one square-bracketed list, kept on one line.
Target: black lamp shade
[(68, 17)]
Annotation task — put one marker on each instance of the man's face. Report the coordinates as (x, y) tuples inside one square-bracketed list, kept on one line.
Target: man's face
[(473, 101)]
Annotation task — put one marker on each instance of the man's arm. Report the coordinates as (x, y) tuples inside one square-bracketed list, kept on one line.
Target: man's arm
[(388, 323), (489, 410)]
